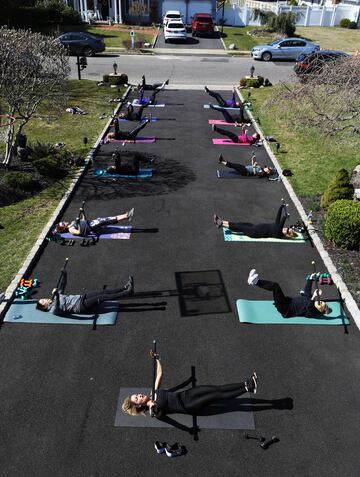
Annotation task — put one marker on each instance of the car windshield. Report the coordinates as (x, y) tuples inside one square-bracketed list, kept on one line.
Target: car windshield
[(175, 25), (173, 15)]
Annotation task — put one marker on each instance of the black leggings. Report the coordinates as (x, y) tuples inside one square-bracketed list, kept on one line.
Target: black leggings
[(128, 134), (196, 398), (91, 300), (281, 301), (234, 137), (136, 116), (135, 166), (239, 168), (221, 101), (229, 118)]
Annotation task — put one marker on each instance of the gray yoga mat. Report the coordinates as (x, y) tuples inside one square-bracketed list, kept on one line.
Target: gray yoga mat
[(233, 414)]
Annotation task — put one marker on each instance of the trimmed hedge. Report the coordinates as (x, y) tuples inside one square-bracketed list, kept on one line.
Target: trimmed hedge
[(338, 188), (342, 224), (344, 23), (20, 180), (254, 82), (49, 167), (116, 80)]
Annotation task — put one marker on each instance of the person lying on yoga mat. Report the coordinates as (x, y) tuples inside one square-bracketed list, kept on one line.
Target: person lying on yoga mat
[(243, 138), (305, 304), (132, 169), (83, 227), (189, 401), (118, 134), (238, 119), (89, 302), (232, 103), (130, 114), (252, 170), (151, 100), (275, 229), (151, 87)]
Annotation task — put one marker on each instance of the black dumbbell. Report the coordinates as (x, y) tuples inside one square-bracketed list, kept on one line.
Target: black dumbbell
[(268, 442), (256, 438)]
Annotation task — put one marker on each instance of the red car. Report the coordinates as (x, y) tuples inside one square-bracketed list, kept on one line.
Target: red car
[(202, 24)]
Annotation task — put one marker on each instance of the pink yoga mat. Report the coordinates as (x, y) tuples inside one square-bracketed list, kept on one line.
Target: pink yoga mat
[(228, 142), (220, 122), (138, 139)]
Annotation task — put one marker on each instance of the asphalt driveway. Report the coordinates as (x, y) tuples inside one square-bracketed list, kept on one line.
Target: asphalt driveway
[(202, 42)]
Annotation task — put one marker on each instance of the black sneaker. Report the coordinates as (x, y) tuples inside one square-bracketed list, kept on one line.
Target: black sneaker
[(213, 127), (160, 447), (129, 286), (251, 384), (175, 450), (206, 89), (220, 158), (217, 221)]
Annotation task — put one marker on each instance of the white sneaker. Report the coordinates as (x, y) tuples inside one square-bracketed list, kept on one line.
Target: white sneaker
[(253, 277)]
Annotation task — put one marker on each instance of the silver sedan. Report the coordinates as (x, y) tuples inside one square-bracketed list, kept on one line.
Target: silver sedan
[(283, 49)]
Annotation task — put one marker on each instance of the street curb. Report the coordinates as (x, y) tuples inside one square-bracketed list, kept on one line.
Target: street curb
[(41, 241), (338, 281)]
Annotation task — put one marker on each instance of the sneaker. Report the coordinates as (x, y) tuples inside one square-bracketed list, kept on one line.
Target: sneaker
[(129, 286), (213, 127), (206, 89), (253, 277), (167, 82), (217, 221), (220, 158), (160, 447), (130, 214), (175, 450), (251, 384)]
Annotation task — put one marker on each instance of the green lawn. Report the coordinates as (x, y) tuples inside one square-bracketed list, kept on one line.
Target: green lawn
[(31, 214), (242, 40), (312, 159), (333, 38)]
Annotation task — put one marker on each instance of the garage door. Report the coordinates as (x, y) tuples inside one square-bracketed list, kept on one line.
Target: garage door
[(199, 7), (174, 5)]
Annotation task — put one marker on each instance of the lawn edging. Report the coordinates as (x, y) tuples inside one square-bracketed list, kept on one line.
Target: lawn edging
[(41, 240), (338, 281)]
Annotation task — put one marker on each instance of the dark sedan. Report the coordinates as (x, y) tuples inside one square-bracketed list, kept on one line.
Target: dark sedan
[(312, 63), (80, 43)]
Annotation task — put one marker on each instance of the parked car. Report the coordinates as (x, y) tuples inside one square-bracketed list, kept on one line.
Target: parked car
[(175, 30), (172, 15), (202, 24), (313, 62), (285, 48), (80, 43)]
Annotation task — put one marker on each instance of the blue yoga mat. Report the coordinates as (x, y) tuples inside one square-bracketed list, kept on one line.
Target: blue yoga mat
[(230, 236), (110, 232), (24, 311), (260, 312), (102, 174), (153, 120), (160, 105)]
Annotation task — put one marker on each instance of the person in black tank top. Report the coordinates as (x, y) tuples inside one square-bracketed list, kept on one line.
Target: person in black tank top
[(189, 401)]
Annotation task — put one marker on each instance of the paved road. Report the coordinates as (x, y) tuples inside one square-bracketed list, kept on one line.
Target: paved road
[(184, 70)]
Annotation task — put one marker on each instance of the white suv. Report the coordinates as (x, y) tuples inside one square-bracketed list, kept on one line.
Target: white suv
[(175, 30), (172, 15)]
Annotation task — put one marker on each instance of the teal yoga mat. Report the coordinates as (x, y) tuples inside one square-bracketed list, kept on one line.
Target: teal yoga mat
[(261, 312), (230, 236), (24, 311), (102, 174)]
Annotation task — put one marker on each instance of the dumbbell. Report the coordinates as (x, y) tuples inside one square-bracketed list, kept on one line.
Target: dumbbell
[(268, 442), (255, 437)]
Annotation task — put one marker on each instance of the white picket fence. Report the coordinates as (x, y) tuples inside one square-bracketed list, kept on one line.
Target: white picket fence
[(240, 13)]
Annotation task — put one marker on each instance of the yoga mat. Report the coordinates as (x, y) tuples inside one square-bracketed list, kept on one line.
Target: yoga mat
[(239, 237), (24, 311), (153, 120), (101, 173), (114, 232), (137, 140), (230, 174), (236, 414), (160, 105), (261, 312), (228, 142), (220, 122), (207, 106)]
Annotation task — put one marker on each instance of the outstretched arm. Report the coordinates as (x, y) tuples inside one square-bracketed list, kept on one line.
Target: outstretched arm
[(159, 373), (281, 215)]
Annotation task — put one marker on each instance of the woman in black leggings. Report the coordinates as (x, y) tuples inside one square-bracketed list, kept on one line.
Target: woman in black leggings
[(61, 304), (301, 305), (150, 87), (275, 229), (131, 115), (118, 134), (120, 168), (225, 103), (243, 138), (251, 170), (189, 401)]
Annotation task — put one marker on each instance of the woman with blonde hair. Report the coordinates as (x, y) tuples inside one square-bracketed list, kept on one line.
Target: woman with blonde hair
[(189, 401)]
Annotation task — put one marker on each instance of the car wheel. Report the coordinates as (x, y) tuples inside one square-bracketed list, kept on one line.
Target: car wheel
[(88, 51), (266, 56)]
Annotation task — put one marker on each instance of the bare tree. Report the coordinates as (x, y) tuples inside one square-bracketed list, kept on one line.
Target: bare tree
[(33, 73), (327, 99)]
